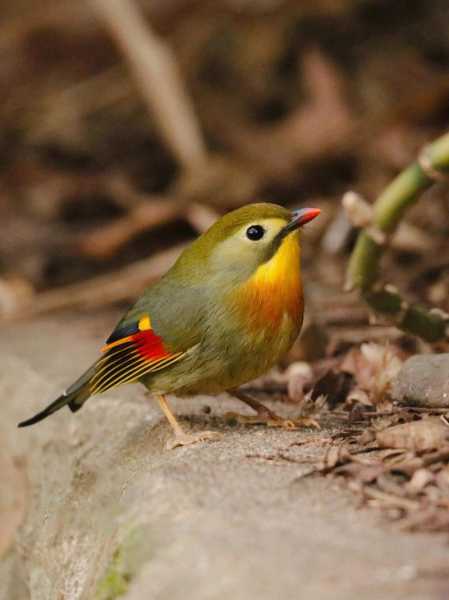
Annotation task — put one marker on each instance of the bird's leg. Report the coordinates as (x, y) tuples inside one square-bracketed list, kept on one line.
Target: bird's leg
[(181, 437), (265, 416)]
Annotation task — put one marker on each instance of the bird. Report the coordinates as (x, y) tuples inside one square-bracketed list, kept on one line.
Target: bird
[(227, 311)]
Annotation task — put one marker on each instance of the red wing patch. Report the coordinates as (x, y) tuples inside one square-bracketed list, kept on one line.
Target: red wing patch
[(129, 358)]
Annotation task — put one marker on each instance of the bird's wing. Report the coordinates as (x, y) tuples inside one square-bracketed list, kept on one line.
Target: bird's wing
[(132, 350)]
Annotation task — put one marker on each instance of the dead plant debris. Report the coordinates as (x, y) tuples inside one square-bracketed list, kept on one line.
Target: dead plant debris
[(402, 470)]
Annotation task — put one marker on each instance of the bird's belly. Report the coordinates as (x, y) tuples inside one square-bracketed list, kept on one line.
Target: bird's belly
[(262, 350), (228, 360)]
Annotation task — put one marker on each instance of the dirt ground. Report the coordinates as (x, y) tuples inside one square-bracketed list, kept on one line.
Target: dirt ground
[(109, 512)]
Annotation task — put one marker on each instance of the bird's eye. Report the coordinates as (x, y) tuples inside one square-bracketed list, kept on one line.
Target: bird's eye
[(255, 232)]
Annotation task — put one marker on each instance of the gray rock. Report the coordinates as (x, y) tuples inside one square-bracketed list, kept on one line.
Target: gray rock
[(423, 381), (111, 514)]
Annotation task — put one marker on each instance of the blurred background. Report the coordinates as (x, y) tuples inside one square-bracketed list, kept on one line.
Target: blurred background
[(126, 129)]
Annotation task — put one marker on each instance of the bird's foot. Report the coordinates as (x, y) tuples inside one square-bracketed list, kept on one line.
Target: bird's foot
[(271, 419), (265, 416), (187, 439), (302, 422)]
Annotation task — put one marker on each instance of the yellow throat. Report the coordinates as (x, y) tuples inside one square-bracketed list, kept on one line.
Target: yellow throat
[(275, 289)]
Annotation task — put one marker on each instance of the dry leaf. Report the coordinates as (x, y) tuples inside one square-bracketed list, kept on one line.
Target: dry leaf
[(298, 375), (334, 385), (421, 435), (374, 367), (442, 479), (358, 396), (336, 454), (420, 479)]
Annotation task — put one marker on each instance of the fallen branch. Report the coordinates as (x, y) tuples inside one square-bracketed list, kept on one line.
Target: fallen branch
[(123, 284), (106, 240), (156, 73)]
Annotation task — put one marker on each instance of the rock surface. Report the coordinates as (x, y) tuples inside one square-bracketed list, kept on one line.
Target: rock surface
[(423, 381), (111, 513)]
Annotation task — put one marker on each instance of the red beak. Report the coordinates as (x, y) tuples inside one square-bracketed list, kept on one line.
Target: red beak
[(304, 215), (301, 217)]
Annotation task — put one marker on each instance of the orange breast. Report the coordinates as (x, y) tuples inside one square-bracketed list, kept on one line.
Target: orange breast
[(275, 289)]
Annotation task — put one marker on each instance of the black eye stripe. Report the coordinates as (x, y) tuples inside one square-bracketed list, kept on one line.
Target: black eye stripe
[(255, 232)]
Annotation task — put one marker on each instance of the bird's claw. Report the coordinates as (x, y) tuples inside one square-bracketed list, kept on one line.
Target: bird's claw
[(301, 422)]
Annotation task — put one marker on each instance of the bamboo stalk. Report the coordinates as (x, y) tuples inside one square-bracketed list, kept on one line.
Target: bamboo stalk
[(389, 209)]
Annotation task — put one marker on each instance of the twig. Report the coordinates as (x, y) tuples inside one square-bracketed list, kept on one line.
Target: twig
[(389, 499), (154, 211), (120, 285), (106, 240), (401, 409), (156, 73), (200, 217), (389, 209)]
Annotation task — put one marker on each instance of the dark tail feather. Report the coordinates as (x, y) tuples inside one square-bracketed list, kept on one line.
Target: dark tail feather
[(53, 407), (74, 397)]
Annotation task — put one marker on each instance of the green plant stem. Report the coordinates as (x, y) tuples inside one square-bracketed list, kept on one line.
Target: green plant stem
[(389, 208), (412, 318)]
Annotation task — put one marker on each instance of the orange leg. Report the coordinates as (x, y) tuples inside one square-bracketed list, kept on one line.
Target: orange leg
[(265, 416), (181, 437)]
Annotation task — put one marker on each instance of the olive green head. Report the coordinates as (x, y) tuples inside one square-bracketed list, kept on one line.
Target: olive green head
[(240, 241)]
